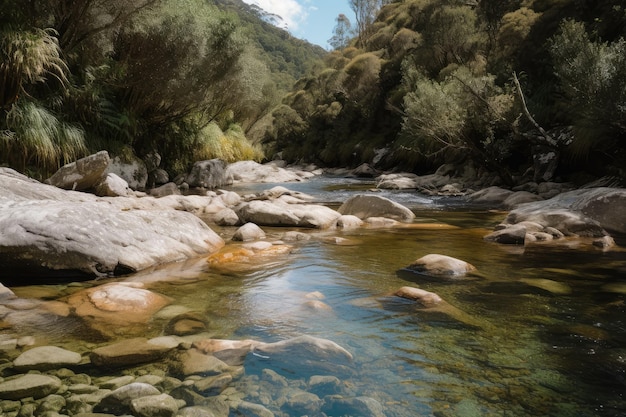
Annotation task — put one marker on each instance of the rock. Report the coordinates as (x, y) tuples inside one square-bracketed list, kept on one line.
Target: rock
[(158, 177), (365, 206), (569, 223), (441, 265), (279, 213), (29, 385), (519, 197), (194, 362), (186, 324), (511, 235), (426, 298), (83, 174), (323, 385), (196, 411), (348, 222), (48, 232), (250, 256), (117, 305), (128, 352), (301, 403), (364, 171), (164, 190), (357, 406), (405, 181), (113, 186), (209, 174), (249, 409), (6, 293), (252, 172), (161, 405), (51, 404), (249, 231), (225, 217), (491, 195), (152, 160), (46, 357), (304, 354), (119, 401), (213, 385), (133, 171)]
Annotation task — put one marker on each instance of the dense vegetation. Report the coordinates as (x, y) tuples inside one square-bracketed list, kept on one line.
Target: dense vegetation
[(185, 78), (491, 82), (412, 84)]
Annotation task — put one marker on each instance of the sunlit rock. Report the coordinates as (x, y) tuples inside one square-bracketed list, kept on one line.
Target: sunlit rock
[(113, 186), (426, 298), (441, 265), (247, 257), (249, 231), (280, 213), (364, 206), (83, 174), (349, 221), (253, 172), (109, 307)]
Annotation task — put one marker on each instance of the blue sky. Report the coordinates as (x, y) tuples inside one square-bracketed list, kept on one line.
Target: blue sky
[(313, 20)]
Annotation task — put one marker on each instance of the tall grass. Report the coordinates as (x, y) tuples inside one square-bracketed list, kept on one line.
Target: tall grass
[(39, 137)]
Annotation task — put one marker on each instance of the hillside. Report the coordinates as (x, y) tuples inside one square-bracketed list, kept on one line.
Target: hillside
[(496, 84)]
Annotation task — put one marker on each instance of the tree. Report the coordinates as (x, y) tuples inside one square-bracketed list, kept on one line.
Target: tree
[(592, 78), (365, 11), (342, 33)]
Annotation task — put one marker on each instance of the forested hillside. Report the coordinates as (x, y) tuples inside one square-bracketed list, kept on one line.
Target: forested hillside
[(185, 78), (510, 86), (504, 85)]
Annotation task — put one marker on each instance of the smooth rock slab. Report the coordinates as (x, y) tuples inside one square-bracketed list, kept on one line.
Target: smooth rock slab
[(29, 385), (97, 239), (119, 401), (46, 357)]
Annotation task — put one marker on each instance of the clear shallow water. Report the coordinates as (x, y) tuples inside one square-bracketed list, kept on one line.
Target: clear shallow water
[(529, 352)]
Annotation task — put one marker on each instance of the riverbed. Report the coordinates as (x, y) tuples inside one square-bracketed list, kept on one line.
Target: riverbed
[(544, 335)]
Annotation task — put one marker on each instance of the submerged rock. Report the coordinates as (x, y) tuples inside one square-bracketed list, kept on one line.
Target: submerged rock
[(46, 357), (127, 353), (29, 385)]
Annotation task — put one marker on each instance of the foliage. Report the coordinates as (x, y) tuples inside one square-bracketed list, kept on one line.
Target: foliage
[(341, 33), (592, 77)]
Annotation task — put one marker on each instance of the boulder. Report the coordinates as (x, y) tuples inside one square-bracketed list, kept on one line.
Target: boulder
[(510, 235), (249, 231), (279, 213), (348, 221), (46, 357), (164, 190), (364, 206), (83, 174), (128, 352), (132, 170), (491, 195), (253, 172), (355, 406), (195, 362), (47, 231), (113, 186), (426, 298), (364, 171), (405, 181), (519, 197), (209, 174), (441, 265)]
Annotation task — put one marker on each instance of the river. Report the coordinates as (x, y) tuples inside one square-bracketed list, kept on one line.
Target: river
[(547, 334)]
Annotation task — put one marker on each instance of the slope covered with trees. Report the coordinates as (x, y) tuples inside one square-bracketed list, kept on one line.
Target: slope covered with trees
[(185, 78), (497, 83)]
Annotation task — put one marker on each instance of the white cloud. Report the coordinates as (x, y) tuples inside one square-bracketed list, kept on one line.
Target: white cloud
[(290, 11)]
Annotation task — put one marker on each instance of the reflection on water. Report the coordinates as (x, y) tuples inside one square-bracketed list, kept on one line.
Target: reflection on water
[(535, 352)]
